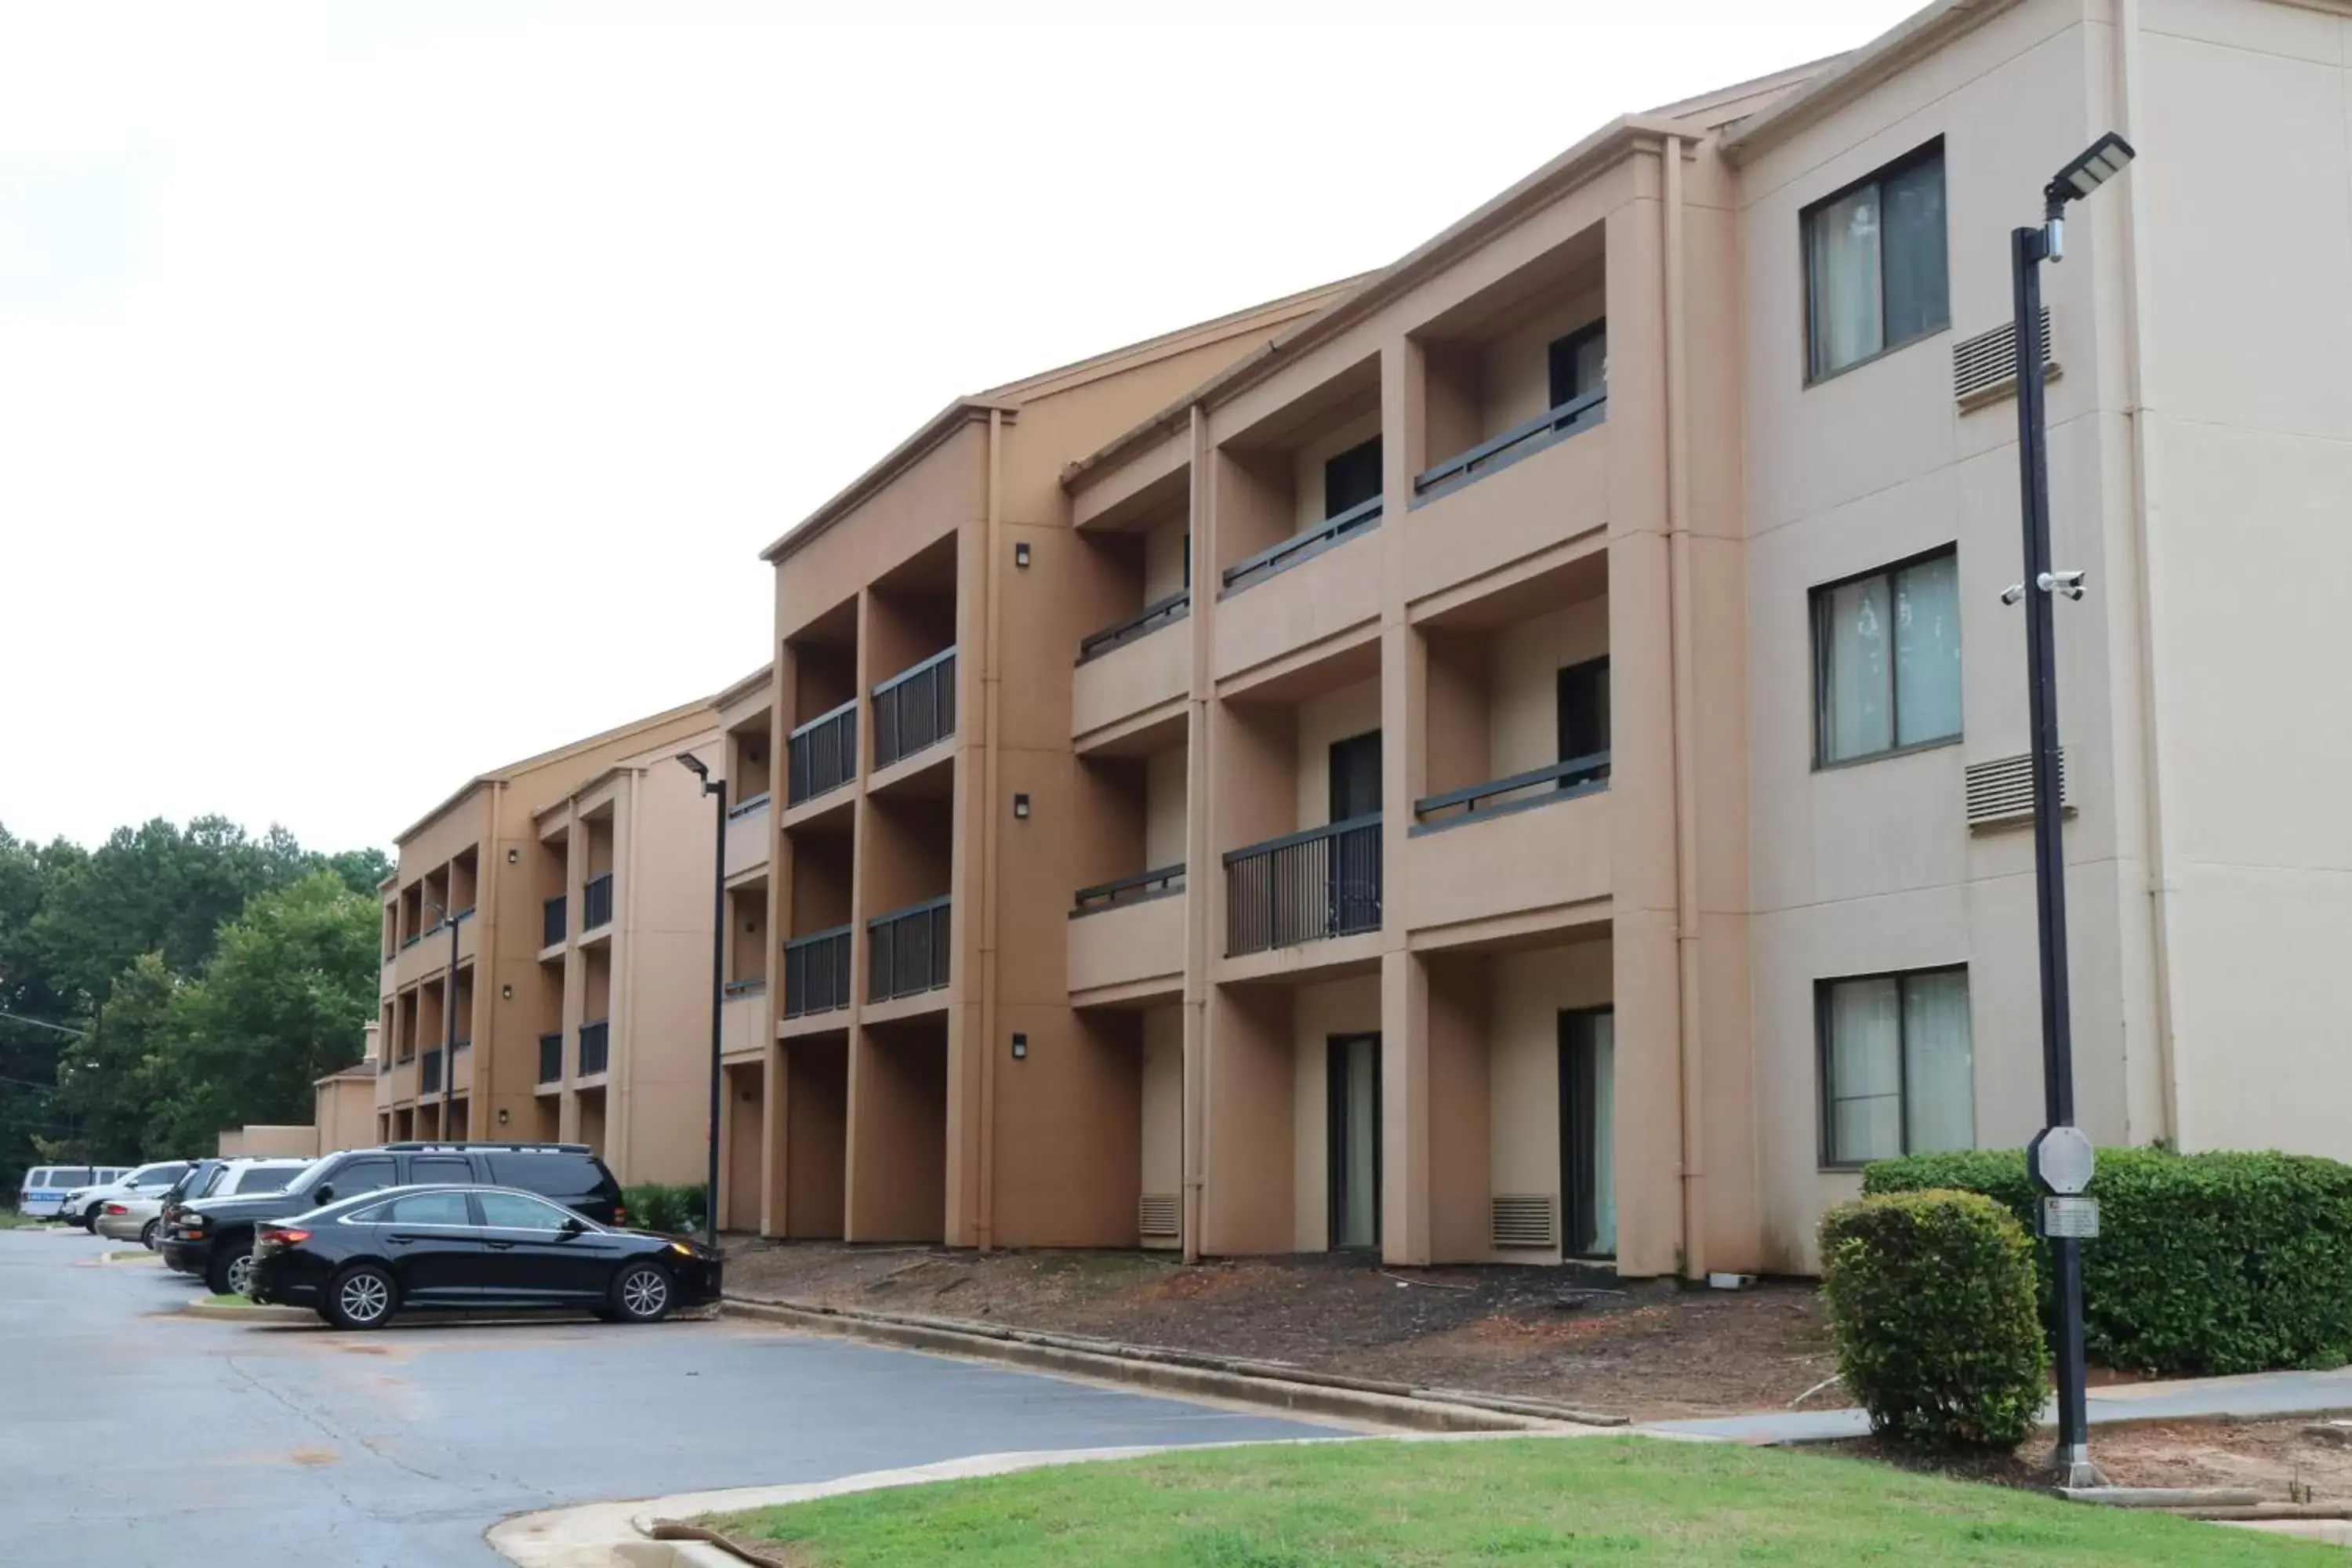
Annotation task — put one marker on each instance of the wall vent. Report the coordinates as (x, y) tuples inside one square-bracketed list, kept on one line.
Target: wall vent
[(1155, 1213), (2000, 791), (1524, 1220), (1984, 367)]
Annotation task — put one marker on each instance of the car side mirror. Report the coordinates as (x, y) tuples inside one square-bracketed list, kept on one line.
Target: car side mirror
[(323, 1195), (574, 1226)]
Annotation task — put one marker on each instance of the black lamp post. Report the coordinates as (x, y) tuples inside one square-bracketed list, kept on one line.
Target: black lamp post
[(2059, 1155), (715, 788)]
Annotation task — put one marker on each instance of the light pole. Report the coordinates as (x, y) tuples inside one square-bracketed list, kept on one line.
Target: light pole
[(2059, 1155), (717, 788)]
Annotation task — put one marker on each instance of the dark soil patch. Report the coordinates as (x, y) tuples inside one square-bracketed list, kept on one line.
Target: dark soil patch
[(2281, 1459)]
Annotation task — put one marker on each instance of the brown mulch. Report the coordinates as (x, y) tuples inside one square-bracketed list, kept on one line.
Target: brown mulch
[(1646, 1350), (2278, 1459)]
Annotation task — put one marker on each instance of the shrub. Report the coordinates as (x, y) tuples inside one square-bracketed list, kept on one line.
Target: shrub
[(2204, 1263), (654, 1205), (1930, 1299)]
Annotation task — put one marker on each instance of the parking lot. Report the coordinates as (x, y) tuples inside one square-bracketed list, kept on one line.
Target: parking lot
[(133, 1435)]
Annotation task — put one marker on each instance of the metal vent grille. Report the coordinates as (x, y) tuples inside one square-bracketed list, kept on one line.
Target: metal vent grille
[(1155, 1213), (1524, 1219), (2000, 791), (1984, 367)]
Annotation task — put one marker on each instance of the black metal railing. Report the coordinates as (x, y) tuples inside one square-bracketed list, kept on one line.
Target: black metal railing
[(1150, 619), (746, 987), (1324, 882), (596, 1046), (551, 921), (906, 951), (551, 1057), (1136, 889), (821, 754), (1497, 798), (596, 902), (1580, 413), (411, 940), (429, 1076), (1361, 517), (914, 708), (743, 808), (816, 973)]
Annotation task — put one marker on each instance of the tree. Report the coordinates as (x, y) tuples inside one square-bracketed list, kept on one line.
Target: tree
[(110, 1083), (281, 1004)]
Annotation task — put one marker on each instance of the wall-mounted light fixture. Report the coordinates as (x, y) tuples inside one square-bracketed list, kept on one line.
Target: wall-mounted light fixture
[(1021, 807), (502, 1116), (1020, 1047), (1021, 555), (506, 992), (513, 857)]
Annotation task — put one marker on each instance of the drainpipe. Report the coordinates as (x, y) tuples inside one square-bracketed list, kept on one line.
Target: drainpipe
[(1685, 699), (2156, 768), (991, 835), (1190, 1095)]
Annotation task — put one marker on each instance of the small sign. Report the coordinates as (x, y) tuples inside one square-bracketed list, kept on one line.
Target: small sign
[(2070, 1216), (2061, 1159)]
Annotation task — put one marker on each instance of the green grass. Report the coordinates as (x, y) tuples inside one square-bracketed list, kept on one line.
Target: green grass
[(11, 1220), (219, 1301), (1532, 1501)]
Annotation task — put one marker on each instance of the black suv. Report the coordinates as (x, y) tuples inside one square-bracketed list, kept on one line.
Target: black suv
[(213, 1237)]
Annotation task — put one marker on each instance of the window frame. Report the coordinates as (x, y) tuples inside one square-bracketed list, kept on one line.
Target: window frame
[(1824, 1104), (1565, 346), (1931, 150), (1815, 597)]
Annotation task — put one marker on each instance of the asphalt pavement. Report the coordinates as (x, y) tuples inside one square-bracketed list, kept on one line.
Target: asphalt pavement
[(135, 1438)]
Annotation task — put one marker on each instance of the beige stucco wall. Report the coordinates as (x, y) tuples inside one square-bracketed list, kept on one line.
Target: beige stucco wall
[(1334, 716), (1163, 1102), (1514, 369), (1522, 682), (1530, 989), (1163, 560), (344, 1117), (263, 1141), (1335, 1007), (1307, 466), (1164, 818)]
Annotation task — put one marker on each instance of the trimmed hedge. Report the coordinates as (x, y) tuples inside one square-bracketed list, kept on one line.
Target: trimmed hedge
[(2204, 1264), (1931, 1301), (671, 1209)]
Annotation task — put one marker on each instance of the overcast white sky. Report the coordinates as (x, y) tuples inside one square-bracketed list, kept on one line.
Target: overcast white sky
[(348, 352)]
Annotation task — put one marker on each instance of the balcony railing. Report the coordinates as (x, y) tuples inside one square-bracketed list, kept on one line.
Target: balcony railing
[(596, 1046), (907, 952), (551, 1057), (1128, 890), (1580, 413), (1324, 882), (551, 921), (816, 973), (743, 808), (411, 940), (914, 708), (1499, 797), (1150, 619), (746, 987), (1300, 548), (596, 902), (821, 754), (429, 1076)]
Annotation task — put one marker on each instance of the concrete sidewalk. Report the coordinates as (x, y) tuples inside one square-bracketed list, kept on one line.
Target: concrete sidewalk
[(2256, 1396)]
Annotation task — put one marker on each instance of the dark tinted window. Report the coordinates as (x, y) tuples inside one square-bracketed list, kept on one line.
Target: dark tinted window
[(69, 1176), (425, 1168), (268, 1179), (362, 1176), (557, 1176), (1352, 477), (512, 1211), (426, 1208), (211, 1179)]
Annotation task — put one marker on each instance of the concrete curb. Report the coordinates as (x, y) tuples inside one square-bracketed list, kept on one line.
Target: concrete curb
[(1393, 1406), (200, 1308)]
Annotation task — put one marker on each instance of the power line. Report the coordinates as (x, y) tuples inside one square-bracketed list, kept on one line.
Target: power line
[(44, 1024)]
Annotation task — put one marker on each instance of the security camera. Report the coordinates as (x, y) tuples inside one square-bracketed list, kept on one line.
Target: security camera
[(2012, 594), (2067, 583)]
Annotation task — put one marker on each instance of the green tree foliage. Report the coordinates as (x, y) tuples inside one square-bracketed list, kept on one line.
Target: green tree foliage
[(110, 1083)]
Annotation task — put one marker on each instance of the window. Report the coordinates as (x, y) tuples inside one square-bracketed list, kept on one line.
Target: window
[(268, 1179), (425, 1169), (1887, 660), (1579, 362), (1875, 272), (362, 1176), (1897, 1074), (512, 1211), (1580, 692), (1351, 479), (426, 1208), (555, 1176)]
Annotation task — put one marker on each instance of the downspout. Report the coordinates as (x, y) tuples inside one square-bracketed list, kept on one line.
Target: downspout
[(991, 837), (1685, 697), (481, 1093), (2155, 765), (1192, 1095)]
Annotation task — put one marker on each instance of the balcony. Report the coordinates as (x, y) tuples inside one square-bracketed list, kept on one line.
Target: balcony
[(1577, 413), (1161, 613), (596, 902), (816, 973), (461, 1067), (821, 754), (550, 1059), (429, 1077), (915, 709), (1492, 850), (746, 836), (1307, 887), (595, 1048), (1522, 496), (1123, 671), (427, 952), (1274, 608), (1300, 548), (1127, 938), (742, 1017), (906, 952)]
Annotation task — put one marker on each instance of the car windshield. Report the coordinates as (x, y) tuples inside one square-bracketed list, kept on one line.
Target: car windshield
[(268, 1178)]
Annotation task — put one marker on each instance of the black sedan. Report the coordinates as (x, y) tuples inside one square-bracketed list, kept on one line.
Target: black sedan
[(360, 1261)]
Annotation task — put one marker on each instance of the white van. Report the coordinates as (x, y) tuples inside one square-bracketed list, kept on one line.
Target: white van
[(43, 1196)]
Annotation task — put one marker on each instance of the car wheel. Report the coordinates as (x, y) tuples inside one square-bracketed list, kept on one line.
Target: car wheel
[(362, 1297), (642, 1294), (230, 1266), (89, 1219), (149, 1232)]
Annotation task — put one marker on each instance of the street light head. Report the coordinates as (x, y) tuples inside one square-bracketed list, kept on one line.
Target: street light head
[(2093, 167), (694, 765)]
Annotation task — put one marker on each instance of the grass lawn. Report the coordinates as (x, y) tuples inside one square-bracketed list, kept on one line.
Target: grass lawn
[(1534, 1500), (11, 1220)]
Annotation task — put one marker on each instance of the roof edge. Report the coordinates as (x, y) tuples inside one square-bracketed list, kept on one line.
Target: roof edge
[(1286, 307), (1851, 75), (500, 775), (893, 463)]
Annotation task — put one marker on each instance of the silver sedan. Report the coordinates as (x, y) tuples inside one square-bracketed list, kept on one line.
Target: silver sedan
[(129, 1217)]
